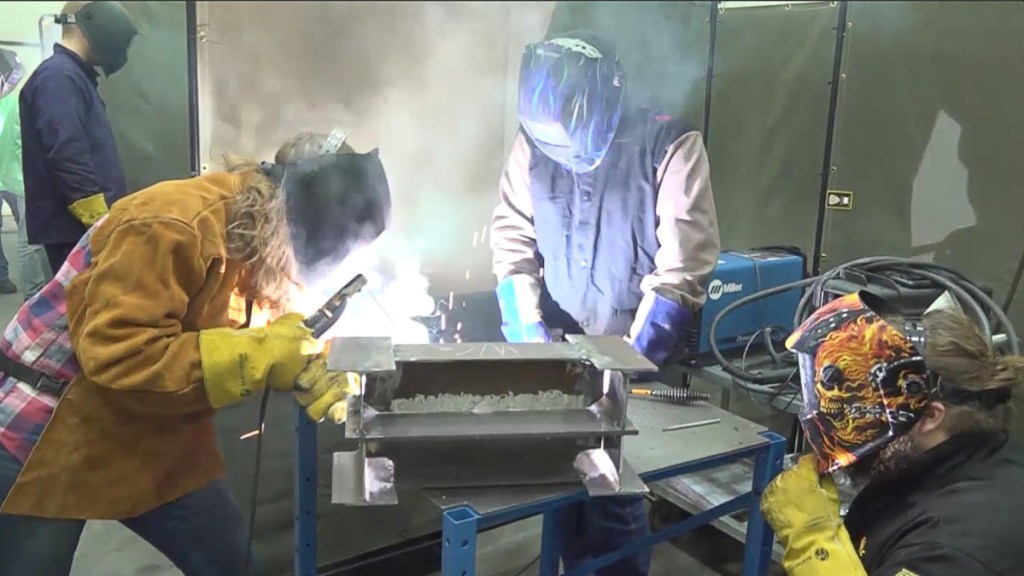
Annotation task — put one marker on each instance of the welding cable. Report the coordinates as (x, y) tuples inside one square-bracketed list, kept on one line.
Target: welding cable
[(988, 315), (254, 495)]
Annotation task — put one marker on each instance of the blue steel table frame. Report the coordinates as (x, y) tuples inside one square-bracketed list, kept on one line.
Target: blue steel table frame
[(461, 523)]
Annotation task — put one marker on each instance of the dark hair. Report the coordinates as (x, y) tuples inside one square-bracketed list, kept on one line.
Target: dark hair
[(956, 350)]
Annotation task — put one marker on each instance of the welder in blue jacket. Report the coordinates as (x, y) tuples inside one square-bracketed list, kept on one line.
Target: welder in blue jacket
[(71, 165), (606, 225)]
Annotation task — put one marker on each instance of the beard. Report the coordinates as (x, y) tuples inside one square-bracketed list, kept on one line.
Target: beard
[(889, 462)]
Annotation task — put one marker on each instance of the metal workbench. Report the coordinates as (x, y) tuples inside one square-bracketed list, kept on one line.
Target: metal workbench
[(655, 454)]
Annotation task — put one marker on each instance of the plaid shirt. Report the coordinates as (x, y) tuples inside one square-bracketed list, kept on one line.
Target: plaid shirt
[(38, 337)]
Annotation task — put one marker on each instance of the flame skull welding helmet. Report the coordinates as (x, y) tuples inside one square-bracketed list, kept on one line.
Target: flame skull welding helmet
[(11, 71), (864, 381), (570, 98), (333, 203), (109, 29)]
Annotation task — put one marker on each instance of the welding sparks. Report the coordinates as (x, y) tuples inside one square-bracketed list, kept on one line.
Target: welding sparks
[(251, 434), (474, 239), (451, 300), (467, 273)]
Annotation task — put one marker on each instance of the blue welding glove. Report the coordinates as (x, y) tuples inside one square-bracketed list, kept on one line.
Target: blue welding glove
[(656, 329), (519, 301)]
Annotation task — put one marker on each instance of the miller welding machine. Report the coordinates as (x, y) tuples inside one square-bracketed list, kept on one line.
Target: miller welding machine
[(740, 273)]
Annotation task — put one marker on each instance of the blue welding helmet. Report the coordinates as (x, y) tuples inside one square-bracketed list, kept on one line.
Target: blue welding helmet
[(571, 91)]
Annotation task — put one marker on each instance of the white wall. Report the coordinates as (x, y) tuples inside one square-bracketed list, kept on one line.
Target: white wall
[(19, 22)]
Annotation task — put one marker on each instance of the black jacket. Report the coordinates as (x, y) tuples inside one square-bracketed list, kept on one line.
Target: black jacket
[(67, 146), (956, 512)]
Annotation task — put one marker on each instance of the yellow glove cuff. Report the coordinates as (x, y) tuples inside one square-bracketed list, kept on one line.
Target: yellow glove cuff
[(89, 210), (822, 552), (227, 380)]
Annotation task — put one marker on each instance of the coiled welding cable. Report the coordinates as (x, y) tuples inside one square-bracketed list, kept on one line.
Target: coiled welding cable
[(968, 295)]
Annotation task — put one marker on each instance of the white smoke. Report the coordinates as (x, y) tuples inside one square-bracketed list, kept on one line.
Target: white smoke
[(396, 291)]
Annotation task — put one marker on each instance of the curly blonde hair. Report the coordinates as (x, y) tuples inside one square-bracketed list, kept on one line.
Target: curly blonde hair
[(258, 235)]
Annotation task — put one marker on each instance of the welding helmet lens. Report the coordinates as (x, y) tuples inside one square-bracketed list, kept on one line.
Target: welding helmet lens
[(109, 29), (333, 204), (863, 381), (570, 98), (11, 71)]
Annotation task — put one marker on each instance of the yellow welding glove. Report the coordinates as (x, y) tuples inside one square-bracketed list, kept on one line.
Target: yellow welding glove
[(324, 394), (803, 509), (89, 210), (240, 362)]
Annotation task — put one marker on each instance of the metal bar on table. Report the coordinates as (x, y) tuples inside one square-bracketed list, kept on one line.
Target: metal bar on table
[(552, 539), (757, 549), (305, 493), (458, 541)]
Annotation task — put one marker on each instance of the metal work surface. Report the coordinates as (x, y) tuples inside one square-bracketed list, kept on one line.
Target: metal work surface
[(465, 425), (650, 451)]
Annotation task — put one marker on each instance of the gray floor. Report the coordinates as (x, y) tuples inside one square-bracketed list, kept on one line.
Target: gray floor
[(107, 548)]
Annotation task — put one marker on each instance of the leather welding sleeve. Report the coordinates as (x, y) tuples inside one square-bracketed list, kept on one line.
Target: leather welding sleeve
[(803, 509), (688, 248), (514, 250), (59, 120), (126, 325), (128, 335)]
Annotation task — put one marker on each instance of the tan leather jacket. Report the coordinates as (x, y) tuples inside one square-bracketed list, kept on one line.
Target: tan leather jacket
[(135, 430)]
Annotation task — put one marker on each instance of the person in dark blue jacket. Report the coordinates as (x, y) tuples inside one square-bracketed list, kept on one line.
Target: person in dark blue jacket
[(606, 226), (71, 165)]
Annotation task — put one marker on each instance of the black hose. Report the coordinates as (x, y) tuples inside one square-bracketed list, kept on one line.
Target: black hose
[(968, 295)]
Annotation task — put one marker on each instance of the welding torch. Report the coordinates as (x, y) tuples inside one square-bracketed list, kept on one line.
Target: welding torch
[(328, 315)]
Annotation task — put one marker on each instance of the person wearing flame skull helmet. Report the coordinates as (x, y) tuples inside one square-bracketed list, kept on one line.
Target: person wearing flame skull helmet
[(911, 411), (173, 306), (606, 225), (72, 167)]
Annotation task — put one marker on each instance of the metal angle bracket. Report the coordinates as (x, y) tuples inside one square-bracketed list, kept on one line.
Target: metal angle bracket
[(360, 481), (601, 477)]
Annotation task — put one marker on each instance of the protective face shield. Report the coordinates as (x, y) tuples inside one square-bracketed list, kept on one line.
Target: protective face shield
[(109, 29), (570, 98), (333, 203), (11, 71), (864, 382)]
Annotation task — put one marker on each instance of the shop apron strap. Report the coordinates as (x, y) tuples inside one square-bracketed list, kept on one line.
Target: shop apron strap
[(31, 376)]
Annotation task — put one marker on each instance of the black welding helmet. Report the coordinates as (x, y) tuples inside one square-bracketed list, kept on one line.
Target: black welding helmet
[(109, 29), (333, 204), (571, 90), (11, 71)]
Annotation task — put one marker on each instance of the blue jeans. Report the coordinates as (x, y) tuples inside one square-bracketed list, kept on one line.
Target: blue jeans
[(202, 533), (35, 269), (598, 526)]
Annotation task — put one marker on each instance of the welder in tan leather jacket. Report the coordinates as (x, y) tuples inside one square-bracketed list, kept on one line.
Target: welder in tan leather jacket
[(156, 315)]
